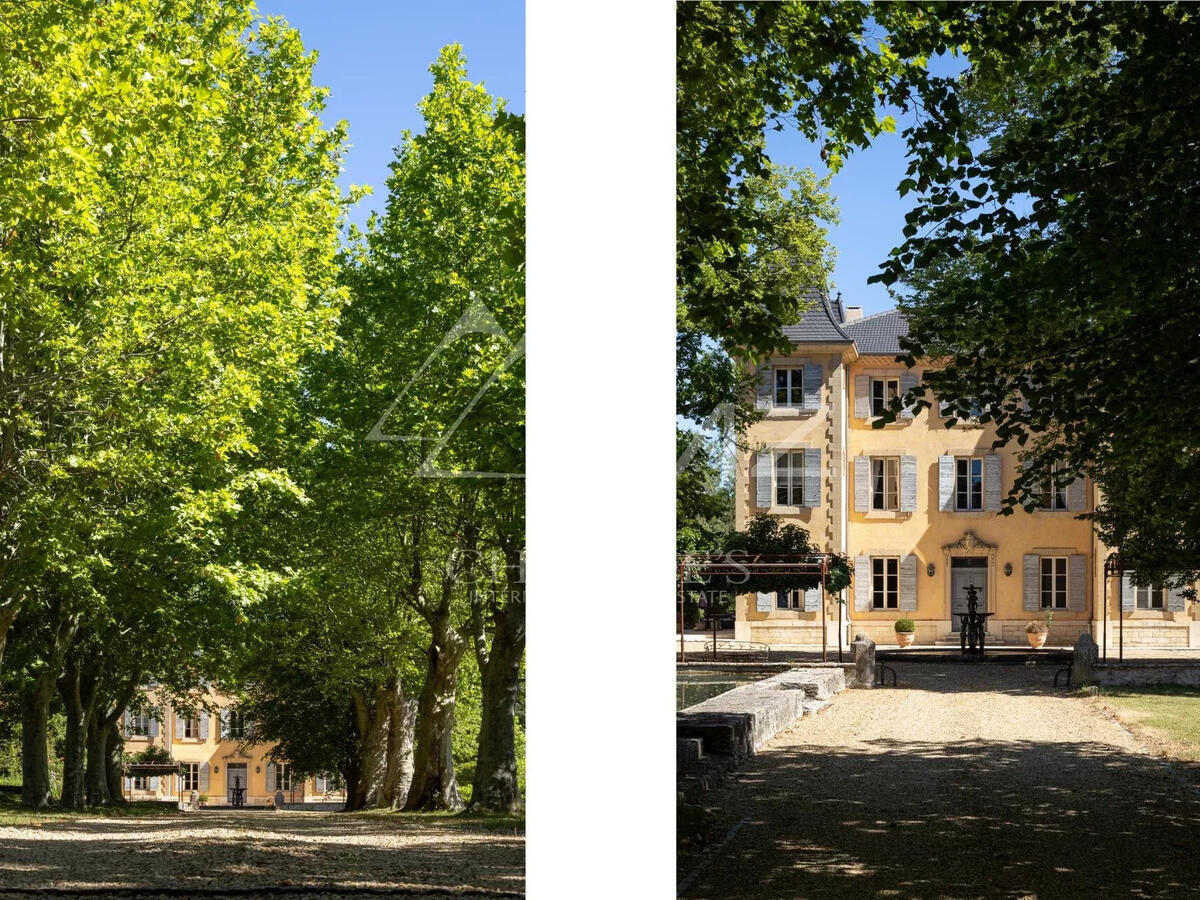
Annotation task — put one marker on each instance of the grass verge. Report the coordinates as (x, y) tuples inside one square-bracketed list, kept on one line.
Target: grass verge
[(1166, 717), (14, 814)]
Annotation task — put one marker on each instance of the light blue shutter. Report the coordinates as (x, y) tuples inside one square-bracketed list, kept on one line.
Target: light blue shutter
[(1076, 495), (991, 482), (1031, 582), (224, 723), (1128, 593), (765, 398), (908, 582), (862, 583), (153, 729), (1175, 599), (271, 778), (908, 484), (204, 778), (862, 483), (813, 376), (946, 483), (321, 784), (128, 723), (762, 602), (204, 717), (154, 782), (812, 477), (179, 726), (763, 464), (1077, 581), (812, 599), (907, 383), (862, 397)]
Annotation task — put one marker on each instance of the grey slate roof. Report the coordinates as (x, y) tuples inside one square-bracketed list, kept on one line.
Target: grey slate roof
[(878, 334), (820, 325)]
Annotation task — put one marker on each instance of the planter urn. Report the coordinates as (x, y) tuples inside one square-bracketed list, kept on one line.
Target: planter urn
[(1037, 639), (905, 638)]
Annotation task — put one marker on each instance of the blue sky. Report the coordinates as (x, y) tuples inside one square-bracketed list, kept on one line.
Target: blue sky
[(375, 56), (872, 214)]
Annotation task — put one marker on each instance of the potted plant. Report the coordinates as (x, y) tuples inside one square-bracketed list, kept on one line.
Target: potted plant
[(203, 798), (906, 631), (1037, 632)]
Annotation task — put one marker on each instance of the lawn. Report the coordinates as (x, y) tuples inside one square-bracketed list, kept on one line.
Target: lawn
[(1167, 717), (13, 813)]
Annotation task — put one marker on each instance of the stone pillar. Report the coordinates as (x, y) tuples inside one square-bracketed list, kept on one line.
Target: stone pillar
[(1086, 654), (864, 661)]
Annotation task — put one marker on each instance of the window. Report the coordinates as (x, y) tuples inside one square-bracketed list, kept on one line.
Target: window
[(789, 387), (141, 783), (1054, 582), (968, 483), (789, 478), (789, 600), (885, 582), (283, 776), (191, 727), (882, 392), (885, 482), (1152, 597), (237, 724), (139, 725), (191, 776), (1053, 497)]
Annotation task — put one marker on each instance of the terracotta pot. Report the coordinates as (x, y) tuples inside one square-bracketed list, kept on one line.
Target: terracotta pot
[(1036, 639), (904, 638)]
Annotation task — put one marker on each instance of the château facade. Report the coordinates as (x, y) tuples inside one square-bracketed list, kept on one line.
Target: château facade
[(915, 505), (217, 753)]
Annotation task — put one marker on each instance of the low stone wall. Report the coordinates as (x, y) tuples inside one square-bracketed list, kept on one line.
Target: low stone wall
[(1140, 674)]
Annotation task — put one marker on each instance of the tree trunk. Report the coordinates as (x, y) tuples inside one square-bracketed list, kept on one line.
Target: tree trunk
[(495, 787), (433, 784), (371, 721), (75, 741), (35, 760), (96, 782), (402, 719), (8, 614), (114, 749)]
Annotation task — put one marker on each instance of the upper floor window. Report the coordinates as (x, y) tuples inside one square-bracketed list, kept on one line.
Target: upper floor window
[(1053, 496), (789, 478), (237, 723), (883, 391), (968, 483), (789, 387), (191, 727), (1151, 597), (885, 582), (139, 725), (885, 482), (1054, 582)]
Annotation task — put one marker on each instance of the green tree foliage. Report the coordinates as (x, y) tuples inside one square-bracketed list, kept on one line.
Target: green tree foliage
[(170, 230), (745, 246), (1051, 268)]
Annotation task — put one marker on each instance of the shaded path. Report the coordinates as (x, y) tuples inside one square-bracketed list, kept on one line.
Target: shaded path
[(972, 781), (317, 854)]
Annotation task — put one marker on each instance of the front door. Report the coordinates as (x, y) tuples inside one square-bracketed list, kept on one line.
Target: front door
[(235, 776), (966, 570)]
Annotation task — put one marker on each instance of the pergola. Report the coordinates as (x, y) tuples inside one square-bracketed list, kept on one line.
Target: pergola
[(699, 568), (154, 769)]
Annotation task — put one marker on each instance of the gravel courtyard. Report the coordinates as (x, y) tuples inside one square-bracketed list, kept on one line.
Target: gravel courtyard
[(966, 781), (260, 853)]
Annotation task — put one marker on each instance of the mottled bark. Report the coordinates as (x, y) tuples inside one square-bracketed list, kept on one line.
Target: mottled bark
[(371, 722), (434, 786), (402, 719), (8, 615), (76, 708), (36, 790), (114, 749)]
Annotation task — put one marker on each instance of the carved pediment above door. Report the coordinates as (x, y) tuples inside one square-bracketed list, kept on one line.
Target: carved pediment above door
[(969, 543)]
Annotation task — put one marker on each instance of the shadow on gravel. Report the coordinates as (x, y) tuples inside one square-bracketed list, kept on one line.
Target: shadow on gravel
[(965, 819), (260, 854)]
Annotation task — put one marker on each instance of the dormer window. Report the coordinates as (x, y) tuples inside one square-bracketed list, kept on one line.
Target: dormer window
[(789, 387)]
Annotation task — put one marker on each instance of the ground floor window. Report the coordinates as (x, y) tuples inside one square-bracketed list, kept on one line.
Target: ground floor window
[(141, 783), (1054, 582), (283, 776), (191, 776), (1154, 597), (788, 600), (885, 582)]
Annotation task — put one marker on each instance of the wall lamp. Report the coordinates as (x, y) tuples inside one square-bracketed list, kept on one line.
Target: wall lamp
[(930, 569), (1008, 568)]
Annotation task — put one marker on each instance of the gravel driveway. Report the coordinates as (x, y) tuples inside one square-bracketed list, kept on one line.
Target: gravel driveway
[(967, 781), (258, 853)]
